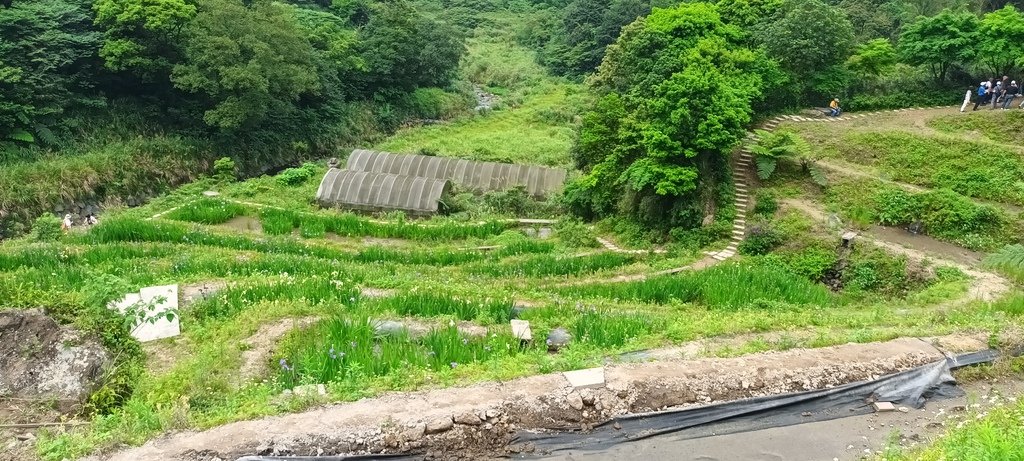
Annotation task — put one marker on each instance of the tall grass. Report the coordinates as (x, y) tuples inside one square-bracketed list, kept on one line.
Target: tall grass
[(1009, 260), (341, 348), (380, 253), (312, 290), (207, 210), (277, 222), (312, 227), (609, 329), (549, 265), (725, 286), (432, 304)]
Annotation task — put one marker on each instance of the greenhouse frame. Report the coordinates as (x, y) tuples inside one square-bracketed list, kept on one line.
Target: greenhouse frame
[(477, 176), (372, 191)]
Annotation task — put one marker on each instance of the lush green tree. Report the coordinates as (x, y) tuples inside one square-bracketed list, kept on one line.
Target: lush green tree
[(873, 58), (675, 95), (811, 40), (404, 50), (940, 41), (143, 36), (250, 63), (48, 61), (1002, 39), (586, 28), (747, 13)]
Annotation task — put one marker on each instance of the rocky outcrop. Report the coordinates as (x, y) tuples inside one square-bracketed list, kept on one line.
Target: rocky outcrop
[(42, 360)]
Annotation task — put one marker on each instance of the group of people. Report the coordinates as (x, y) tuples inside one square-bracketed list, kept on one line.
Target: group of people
[(997, 93), (66, 224)]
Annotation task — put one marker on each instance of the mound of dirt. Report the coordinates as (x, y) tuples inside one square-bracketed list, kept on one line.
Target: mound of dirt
[(44, 361)]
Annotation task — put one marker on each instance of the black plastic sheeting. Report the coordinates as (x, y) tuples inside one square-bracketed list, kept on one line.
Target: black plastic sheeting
[(910, 388)]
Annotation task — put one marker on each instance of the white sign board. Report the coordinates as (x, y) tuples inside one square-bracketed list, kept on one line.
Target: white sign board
[(155, 300)]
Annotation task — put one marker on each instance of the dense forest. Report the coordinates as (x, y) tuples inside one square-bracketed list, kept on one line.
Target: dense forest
[(103, 98)]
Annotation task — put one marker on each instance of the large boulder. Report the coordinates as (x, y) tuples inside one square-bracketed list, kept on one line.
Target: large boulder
[(40, 359)]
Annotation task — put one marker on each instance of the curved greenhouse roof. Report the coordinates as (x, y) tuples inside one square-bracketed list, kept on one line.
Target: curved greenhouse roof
[(365, 190), (478, 176)]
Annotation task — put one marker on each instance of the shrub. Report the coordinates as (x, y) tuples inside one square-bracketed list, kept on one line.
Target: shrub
[(895, 206), (760, 240), (224, 168), (766, 203), (46, 228), (515, 201), (1008, 260), (575, 233), (296, 176), (812, 262)]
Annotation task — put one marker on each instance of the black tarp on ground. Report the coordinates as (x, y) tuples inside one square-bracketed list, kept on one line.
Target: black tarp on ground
[(910, 388)]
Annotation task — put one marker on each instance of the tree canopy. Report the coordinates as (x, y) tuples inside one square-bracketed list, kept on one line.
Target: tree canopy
[(667, 118), (940, 41)]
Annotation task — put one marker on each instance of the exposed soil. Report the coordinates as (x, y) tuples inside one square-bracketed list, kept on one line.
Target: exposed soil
[(244, 223), (261, 345), (479, 421)]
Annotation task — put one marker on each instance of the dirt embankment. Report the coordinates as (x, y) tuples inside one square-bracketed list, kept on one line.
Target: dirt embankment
[(480, 421)]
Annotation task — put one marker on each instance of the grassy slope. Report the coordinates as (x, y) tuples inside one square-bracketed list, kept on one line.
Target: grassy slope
[(984, 176), (534, 119), (207, 356)]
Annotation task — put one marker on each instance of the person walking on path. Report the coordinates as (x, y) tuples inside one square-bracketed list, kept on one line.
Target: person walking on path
[(1000, 91), (1011, 93), (66, 224), (967, 100), (983, 92)]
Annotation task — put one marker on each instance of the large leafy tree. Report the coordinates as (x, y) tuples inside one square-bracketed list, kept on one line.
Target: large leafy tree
[(251, 63), (940, 41), (1002, 39), (586, 28), (675, 93), (811, 40), (403, 50), (47, 65), (143, 36)]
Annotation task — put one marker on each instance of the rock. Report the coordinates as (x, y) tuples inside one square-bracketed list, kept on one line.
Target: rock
[(439, 425), (517, 310), (42, 360), (882, 407), (211, 193), (575, 401), (588, 397), (806, 414), (544, 233), (492, 413), (558, 338), (310, 390), (617, 426), (389, 328), (903, 410), (468, 418)]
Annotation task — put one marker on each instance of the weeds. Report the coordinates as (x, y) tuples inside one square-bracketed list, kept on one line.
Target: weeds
[(548, 265), (421, 304), (348, 348), (609, 329), (207, 210)]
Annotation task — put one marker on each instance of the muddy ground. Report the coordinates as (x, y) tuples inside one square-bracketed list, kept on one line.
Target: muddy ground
[(479, 422)]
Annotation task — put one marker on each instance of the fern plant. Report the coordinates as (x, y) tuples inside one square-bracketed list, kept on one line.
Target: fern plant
[(785, 145), (1008, 260)]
